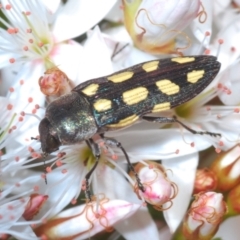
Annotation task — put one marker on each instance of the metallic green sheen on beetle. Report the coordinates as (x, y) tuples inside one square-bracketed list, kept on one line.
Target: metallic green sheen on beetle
[(118, 100)]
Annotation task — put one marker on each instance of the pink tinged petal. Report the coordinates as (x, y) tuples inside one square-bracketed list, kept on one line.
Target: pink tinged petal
[(87, 220), (202, 26), (159, 190), (229, 229), (34, 205), (204, 216), (154, 24), (139, 226), (183, 173), (77, 17)]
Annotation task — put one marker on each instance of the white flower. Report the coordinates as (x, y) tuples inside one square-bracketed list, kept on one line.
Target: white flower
[(34, 39), (74, 162), (15, 150)]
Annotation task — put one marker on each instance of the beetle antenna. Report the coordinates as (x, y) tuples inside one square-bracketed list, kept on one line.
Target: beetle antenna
[(44, 166), (116, 51)]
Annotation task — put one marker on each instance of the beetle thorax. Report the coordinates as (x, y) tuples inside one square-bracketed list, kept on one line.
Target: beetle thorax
[(71, 118)]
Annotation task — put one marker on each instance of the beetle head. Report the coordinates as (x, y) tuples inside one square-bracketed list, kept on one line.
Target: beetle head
[(49, 141)]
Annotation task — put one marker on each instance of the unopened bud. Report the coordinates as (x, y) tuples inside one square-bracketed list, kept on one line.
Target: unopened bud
[(205, 180), (233, 201), (227, 168), (204, 216), (34, 205), (158, 189), (154, 25), (54, 83)]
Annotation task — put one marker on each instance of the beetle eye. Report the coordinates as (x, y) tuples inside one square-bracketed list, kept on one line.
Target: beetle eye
[(52, 144), (49, 142)]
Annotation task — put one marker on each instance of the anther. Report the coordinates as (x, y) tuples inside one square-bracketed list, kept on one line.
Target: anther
[(217, 150), (9, 107), (11, 89), (8, 7), (12, 60), (236, 110)]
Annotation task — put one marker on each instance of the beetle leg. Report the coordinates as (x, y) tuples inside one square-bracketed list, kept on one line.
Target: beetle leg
[(174, 119), (115, 143), (96, 152)]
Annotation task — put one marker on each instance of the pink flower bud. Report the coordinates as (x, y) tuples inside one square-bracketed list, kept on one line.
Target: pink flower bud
[(34, 205), (233, 201), (204, 216), (205, 180), (154, 25), (227, 168), (159, 190), (86, 220), (54, 83)]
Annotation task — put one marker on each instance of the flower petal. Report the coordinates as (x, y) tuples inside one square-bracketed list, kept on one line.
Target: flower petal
[(87, 220), (180, 168), (113, 184), (138, 226), (158, 144), (96, 58), (77, 17), (229, 229), (68, 58), (52, 5)]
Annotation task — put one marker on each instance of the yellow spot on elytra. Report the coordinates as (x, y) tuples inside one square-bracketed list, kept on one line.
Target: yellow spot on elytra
[(102, 105), (124, 122), (91, 89), (135, 95), (150, 66), (183, 59), (194, 76), (120, 77), (161, 107), (167, 87)]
